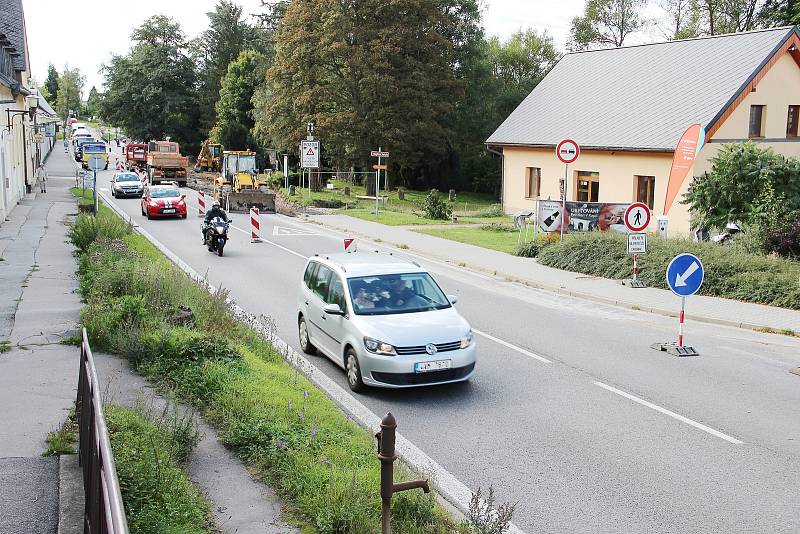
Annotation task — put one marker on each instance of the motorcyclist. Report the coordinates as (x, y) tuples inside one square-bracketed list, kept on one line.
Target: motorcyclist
[(215, 211)]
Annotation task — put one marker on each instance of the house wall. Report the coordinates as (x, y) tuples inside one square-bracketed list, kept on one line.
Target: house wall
[(779, 88), (12, 176)]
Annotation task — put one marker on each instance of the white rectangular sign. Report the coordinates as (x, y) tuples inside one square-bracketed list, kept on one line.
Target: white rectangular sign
[(637, 243), (379, 154), (309, 154)]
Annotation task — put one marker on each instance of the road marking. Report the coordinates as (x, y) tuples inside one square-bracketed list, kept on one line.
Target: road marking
[(681, 418), (512, 347), (290, 251), (281, 230)]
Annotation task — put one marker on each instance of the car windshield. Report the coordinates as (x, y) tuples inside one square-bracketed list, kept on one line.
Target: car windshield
[(163, 193), (127, 178), (396, 293)]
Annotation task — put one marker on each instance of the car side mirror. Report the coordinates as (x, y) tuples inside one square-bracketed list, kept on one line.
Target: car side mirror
[(333, 309), (452, 298), (183, 197)]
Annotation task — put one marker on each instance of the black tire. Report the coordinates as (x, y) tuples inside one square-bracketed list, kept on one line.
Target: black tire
[(353, 370), (305, 342), (219, 250), (183, 216), (147, 214), (142, 208)]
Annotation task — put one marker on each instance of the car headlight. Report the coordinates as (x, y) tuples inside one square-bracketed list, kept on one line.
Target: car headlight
[(154, 203), (379, 347), (466, 341)]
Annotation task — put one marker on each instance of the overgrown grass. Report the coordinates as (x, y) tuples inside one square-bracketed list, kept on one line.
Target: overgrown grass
[(5, 346), (290, 434), (150, 449), (729, 271), (64, 439)]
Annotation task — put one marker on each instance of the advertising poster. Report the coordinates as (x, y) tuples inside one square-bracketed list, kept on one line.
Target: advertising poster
[(582, 216)]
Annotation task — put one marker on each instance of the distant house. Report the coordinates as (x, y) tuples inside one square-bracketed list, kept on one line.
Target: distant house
[(628, 107)]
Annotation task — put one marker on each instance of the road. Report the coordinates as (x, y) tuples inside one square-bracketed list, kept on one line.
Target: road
[(571, 414)]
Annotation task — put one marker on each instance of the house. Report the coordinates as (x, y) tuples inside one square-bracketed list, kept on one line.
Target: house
[(20, 143), (628, 108)]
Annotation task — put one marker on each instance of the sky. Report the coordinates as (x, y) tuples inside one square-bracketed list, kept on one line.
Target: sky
[(84, 33)]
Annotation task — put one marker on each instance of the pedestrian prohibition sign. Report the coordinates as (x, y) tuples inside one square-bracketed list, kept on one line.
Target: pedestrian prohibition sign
[(685, 274), (637, 217)]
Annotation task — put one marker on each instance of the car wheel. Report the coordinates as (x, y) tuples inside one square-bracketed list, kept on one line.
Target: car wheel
[(183, 216), (142, 207), (353, 371), (147, 213), (305, 342)]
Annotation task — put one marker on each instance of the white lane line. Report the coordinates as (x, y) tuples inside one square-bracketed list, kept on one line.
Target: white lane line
[(674, 415), (290, 251), (512, 347)]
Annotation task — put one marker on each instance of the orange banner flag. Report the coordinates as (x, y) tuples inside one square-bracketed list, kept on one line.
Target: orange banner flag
[(682, 162)]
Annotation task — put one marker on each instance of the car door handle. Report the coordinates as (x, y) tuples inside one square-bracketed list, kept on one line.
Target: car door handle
[(306, 303), (324, 318)]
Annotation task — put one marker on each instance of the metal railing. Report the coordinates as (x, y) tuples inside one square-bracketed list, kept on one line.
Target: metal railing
[(104, 512)]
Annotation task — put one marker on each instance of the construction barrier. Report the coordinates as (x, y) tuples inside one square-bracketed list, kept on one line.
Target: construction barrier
[(201, 204), (255, 225)]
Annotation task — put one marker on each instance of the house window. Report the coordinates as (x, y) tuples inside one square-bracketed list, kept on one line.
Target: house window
[(756, 121), (588, 189), (645, 190), (792, 120), (533, 181)]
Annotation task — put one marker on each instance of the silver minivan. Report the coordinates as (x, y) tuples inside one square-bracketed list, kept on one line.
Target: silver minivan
[(384, 320)]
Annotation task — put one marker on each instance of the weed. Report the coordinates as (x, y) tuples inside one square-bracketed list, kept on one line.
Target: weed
[(402, 246), (462, 264), (74, 340), (64, 439), (88, 228), (484, 517), (5, 346)]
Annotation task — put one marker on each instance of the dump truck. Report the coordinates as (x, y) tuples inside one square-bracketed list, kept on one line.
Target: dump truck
[(210, 157), (136, 156), (237, 185), (165, 163)]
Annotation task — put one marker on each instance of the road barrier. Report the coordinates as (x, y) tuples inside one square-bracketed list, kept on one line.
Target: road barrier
[(255, 225), (387, 456), (104, 512), (201, 204)]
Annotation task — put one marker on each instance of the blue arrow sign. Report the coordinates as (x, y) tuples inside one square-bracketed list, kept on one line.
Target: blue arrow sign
[(685, 274)]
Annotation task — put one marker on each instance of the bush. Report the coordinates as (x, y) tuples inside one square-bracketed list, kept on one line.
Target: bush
[(731, 272), (784, 239), (498, 227), (88, 228), (435, 206), (532, 248)]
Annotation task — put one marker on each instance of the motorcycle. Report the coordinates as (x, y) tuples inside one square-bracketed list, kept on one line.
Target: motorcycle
[(216, 235)]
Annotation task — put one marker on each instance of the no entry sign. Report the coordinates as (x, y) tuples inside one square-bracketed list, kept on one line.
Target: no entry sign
[(568, 151), (637, 217)]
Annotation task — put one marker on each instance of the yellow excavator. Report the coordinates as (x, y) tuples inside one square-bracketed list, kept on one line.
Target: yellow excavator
[(237, 185), (209, 158)]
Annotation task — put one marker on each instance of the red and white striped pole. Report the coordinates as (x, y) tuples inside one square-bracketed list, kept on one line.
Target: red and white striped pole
[(680, 328), (635, 270), (201, 204), (255, 226)]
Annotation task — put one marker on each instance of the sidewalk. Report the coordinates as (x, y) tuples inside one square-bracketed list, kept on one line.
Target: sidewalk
[(39, 306), (525, 270)]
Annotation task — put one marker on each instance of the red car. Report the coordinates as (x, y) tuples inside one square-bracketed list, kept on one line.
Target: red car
[(163, 201)]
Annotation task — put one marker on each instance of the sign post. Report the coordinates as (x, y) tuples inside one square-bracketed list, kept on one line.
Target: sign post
[(567, 152), (380, 154), (95, 164), (685, 274), (637, 218)]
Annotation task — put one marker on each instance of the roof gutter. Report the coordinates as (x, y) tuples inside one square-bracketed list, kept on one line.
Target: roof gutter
[(502, 173), (667, 150)]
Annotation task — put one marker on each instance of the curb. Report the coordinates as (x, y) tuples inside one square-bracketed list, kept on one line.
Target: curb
[(546, 287), (446, 486)]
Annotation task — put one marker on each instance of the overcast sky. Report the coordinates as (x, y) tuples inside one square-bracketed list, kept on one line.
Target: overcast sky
[(84, 33)]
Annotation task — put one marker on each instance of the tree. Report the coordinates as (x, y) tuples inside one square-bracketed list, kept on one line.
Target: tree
[(780, 13), (371, 73), (152, 91), (235, 108), (747, 184), (93, 103), (606, 23), (70, 87), (51, 83), (682, 20), (228, 34)]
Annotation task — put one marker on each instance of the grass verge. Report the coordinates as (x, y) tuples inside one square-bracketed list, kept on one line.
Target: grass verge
[(481, 236), (290, 434), (149, 452), (64, 439)]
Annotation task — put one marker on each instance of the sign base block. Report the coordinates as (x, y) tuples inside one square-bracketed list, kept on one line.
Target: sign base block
[(672, 348), (635, 283)]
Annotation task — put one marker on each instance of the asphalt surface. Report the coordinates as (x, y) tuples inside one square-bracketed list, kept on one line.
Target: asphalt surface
[(29, 495), (571, 414)]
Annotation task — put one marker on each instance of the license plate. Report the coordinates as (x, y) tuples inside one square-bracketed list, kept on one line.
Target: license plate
[(168, 211), (425, 367)]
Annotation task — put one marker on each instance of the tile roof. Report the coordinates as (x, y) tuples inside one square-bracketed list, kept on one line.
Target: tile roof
[(638, 97), (12, 25)]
